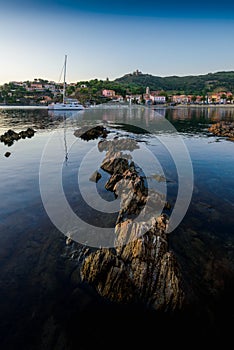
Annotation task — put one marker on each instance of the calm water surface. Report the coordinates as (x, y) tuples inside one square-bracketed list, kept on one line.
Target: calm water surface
[(212, 158), (206, 228)]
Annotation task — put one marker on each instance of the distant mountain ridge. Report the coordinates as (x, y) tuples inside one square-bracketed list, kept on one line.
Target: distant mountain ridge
[(191, 84)]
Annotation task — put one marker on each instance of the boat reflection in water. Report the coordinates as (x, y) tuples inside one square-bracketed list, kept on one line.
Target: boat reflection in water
[(65, 114), (65, 118)]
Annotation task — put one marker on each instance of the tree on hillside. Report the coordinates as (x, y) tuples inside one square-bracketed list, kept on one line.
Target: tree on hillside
[(203, 99), (194, 98)]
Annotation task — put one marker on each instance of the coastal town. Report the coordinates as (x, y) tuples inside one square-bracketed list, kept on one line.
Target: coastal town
[(40, 92)]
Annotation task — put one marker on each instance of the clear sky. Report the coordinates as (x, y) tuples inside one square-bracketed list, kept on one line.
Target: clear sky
[(111, 38)]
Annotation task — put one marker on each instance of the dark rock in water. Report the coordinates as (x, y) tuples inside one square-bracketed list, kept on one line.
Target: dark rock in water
[(26, 133), (7, 154), (10, 136), (95, 177), (89, 133)]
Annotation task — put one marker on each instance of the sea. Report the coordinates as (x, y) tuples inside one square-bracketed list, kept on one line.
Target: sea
[(46, 192)]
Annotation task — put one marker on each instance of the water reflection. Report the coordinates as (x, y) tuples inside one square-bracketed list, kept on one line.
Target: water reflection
[(211, 114), (32, 262), (196, 121), (18, 118), (65, 114), (184, 119)]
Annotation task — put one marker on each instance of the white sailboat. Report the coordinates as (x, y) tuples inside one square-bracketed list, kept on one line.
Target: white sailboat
[(68, 103)]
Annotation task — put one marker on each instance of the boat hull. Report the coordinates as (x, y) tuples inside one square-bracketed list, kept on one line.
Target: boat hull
[(65, 107)]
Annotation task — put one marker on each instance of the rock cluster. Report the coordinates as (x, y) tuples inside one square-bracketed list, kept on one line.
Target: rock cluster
[(223, 128), (139, 268), (10, 136)]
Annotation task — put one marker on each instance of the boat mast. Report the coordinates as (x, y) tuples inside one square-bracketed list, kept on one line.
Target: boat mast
[(64, 78)]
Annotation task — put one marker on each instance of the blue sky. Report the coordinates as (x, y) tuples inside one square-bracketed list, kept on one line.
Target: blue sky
[(109, 39)]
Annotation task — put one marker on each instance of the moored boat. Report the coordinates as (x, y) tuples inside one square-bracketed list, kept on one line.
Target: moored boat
[(68, 103)]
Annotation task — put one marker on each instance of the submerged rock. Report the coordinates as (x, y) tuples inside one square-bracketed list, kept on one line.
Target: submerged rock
[(118, 145), (223, 128)]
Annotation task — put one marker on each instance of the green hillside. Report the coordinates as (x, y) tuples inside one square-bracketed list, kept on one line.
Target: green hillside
[(192, 84)]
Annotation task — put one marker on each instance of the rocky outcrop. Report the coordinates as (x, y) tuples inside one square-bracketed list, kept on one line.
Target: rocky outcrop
[(142, 271), (10, 136), (87, 133), (223, 128), (139, 268)]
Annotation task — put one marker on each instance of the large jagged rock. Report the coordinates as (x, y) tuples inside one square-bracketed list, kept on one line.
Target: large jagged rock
[(144, 270), (87, 133), (139, 267)]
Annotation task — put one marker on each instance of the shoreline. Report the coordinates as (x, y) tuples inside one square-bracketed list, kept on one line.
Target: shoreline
[(22, 107), (152, 107), (204, 106), (193, 106)]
